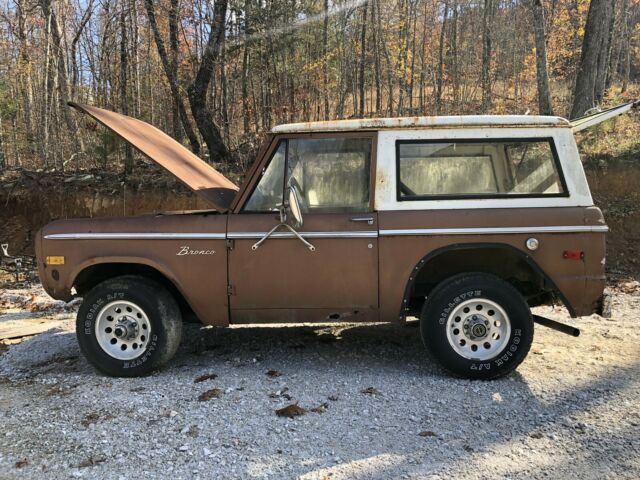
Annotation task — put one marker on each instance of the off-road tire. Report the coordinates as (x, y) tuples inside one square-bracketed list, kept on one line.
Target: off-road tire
[(150, 297), (458, 290)]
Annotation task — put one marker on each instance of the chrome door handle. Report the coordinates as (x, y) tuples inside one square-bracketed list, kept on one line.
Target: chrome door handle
[(369, 220)]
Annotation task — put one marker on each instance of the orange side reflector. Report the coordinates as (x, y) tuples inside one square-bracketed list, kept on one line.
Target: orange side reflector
[(55, 260)]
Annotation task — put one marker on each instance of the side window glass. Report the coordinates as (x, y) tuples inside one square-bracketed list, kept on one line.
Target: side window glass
[(477, 169), (330, 175), (268, 193)]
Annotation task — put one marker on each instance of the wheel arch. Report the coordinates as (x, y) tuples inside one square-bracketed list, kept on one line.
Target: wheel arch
[(463, 252), (91, 273)]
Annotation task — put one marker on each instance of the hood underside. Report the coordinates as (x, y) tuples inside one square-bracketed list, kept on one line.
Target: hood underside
[(187, 167)]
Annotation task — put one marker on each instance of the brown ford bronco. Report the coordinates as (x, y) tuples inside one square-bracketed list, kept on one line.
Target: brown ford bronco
[(465, 222)]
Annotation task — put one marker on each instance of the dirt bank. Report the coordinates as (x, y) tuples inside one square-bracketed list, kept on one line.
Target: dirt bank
[(30, 201)]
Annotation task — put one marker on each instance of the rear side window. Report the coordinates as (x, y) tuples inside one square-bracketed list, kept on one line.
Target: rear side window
[(478, 169)]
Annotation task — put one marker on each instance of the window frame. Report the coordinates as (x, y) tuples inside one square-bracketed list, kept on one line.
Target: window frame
[(260, 173), (480, 196), (263, 162)]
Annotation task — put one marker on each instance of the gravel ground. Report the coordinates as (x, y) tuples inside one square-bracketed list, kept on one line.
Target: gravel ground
[(382, 410)]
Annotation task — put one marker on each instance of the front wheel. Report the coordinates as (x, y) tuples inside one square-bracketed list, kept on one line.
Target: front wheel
[(477, 326), (128, 326)]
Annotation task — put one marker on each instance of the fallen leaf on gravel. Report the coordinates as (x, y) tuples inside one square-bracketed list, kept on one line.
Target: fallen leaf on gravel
[(291, 411), (273, 374), (209, 394), (280, 393), (427, 433), (320, 408), (91, 462), (370, 391), (207, 376), (22, 463), (90, 418), (137, 389), (536, 434), (59, 391)]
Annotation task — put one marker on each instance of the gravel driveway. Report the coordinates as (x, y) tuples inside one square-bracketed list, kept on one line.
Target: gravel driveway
[(374, 406)]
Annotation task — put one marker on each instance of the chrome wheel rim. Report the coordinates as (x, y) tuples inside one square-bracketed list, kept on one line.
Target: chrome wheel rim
[(122, 329), (478, 329)]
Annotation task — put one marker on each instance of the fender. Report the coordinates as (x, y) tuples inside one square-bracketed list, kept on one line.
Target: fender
[(128, 260), (468, 246)]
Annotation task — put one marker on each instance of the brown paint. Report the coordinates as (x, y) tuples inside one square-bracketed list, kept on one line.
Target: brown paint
[(352, 278), (171, 155)]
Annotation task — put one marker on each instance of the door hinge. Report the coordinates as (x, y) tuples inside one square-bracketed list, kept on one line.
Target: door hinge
[(231, 290), (230, 244)]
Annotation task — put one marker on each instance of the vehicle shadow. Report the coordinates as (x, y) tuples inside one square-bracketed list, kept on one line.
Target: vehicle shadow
[(315, 346), (552, 422)]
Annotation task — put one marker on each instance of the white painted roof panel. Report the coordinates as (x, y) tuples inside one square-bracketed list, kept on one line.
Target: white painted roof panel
[(424, 122)]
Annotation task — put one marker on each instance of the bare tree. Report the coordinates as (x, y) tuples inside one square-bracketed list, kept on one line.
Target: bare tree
[(441, 47), (197, 90), (487, 51), (363, 52), (595, 33), (542, 74), (172, 77), (124, 93)]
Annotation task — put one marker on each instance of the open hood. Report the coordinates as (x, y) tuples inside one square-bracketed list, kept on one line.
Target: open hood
[(588, 121), (168, 153)]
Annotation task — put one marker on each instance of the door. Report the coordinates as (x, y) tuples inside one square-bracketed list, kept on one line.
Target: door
[(282, 279)]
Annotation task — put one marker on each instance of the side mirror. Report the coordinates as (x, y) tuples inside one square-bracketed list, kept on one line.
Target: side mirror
[(294, 206)]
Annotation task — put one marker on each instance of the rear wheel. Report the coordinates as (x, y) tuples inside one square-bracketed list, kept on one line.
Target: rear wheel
[(477, 325), (128, 326)]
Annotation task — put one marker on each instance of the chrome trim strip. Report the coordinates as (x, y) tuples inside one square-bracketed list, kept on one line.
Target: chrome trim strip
[(345, 234), (136, 236), (495, 230), (360, 234)]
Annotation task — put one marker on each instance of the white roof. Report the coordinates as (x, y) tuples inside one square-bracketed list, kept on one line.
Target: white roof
[(424, 122)]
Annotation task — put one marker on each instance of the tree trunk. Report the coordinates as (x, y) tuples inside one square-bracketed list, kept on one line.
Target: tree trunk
[(487, 51), (197, 91), (3, 162), (454, 60), (595, 32), (174, 15), (61, 64), (325, 60), (124, 100), (604, 59), (25, 66), (172, 77), (245, 68), (363, 51), (542, 75), (440, 71)]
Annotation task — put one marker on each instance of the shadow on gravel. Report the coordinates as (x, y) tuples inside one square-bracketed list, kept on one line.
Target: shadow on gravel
[(351, 346)]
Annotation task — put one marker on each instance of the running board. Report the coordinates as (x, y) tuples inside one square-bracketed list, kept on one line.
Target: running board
[(561, 327)]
